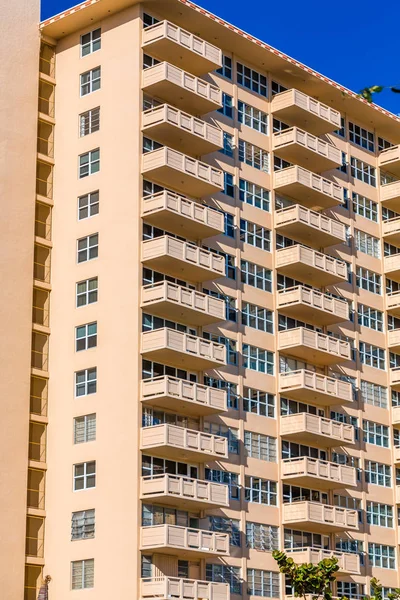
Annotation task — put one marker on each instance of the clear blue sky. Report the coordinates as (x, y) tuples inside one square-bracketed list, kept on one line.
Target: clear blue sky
[(353, 42)]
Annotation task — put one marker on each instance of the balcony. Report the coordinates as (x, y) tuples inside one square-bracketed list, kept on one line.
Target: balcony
[(395, 378), (308, 188), (313, 347), (36, 489), (310, 266), (173, 169), (317, 474), (347, 562), (304, 149), (389, 160), (45, 140), (34, 542), (182, 541), (394, 340), (46, 101), (309, 227), (396, 454), (40, 351), (397, 494), (40, 309), (185, 493), (393, 303), (391, 266), (179, 215), (180, 349), (390, 195), (162, 588), (39, 396), (181, 304), (169, 125), (296, 108), (182, 396), (308, 429), (391, 231), (182, 259), (179, 443), (181, 89), (396, 415), (167, 41), (318, 517), (312, 306), (44, 180), (314, 388)]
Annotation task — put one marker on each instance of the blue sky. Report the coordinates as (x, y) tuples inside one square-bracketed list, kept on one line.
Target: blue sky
[(351, 42)]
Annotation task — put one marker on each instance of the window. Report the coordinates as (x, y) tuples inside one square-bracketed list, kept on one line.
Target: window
[(254, 156), (86, 382), (342, 131), (230, 479), (277, 88), (343, 418), (368, 280), (230, 345), (149, 145), (152, 465), (367, 243), (89, 163), (256, 276), (149, 61), (227, 106), (230, 303), (382, 556), (226, 525), (352, 546), (225, 574), (260, 491), (90, 42), (372, 356), (255, 235), (251, 80), (262, 537), (231, 389), (303, 539), (226, 69), (377, 473), (361, 137), (384, 144), (82, 574), (252, 117), (376, 434), (363, 171), (227, 147), (146, 569), (85, 429), (258, 359), (349, 502), (89, 121), (88, 205), (229, 223), (86, 292), (150, 322), (253, 194), (229, 188), (365, 207), (349, 589), (294, 450), (370, 317), (88, 248), (82, 525), (149, 20), (260, 446), (258, 402), (228, 432), (263, 583), (291, 407), (85, 336), (162, 515), (379, 514), (85, 476), (90, 81), (257, 317)]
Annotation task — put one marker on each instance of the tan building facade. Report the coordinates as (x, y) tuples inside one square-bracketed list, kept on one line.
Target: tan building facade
[(215, 350)]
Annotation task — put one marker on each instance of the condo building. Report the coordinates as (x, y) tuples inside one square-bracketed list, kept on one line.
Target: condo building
[(201, 308)]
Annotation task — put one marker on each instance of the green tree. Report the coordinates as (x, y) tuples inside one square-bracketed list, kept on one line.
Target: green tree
[(368, 92), (308, 579)]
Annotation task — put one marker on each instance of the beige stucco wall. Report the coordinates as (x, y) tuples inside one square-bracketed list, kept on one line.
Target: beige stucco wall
[(18, 122), (115, 497)]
